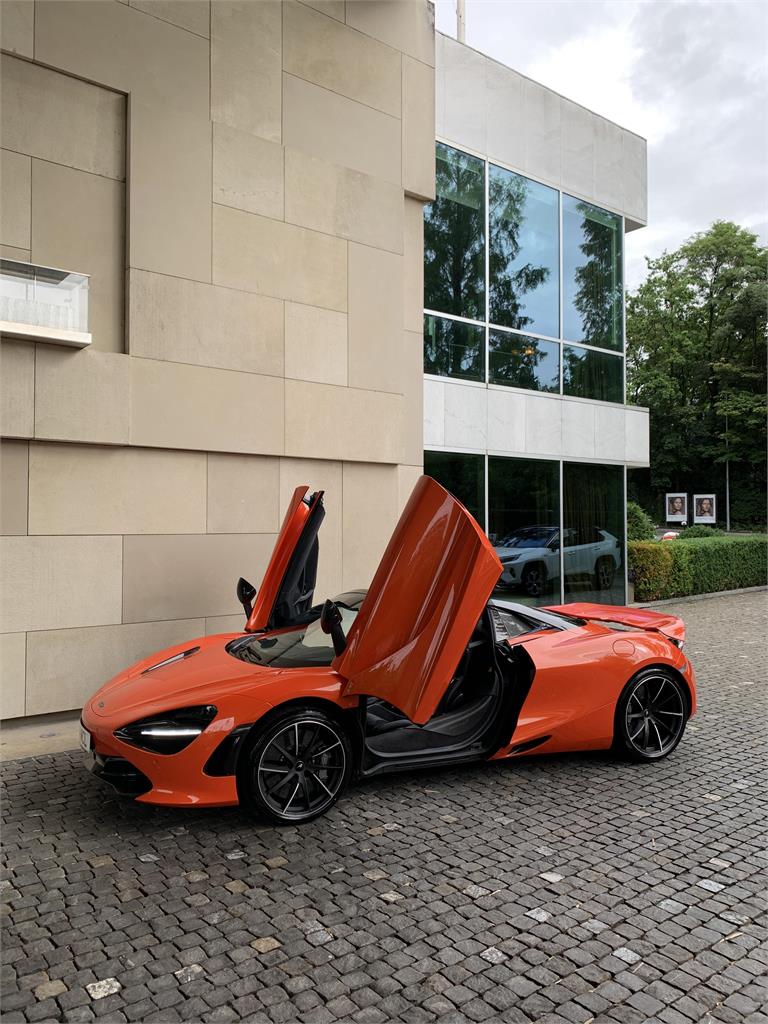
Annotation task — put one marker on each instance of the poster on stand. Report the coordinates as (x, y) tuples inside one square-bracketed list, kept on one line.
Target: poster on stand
[(705, 509), (676, 505)]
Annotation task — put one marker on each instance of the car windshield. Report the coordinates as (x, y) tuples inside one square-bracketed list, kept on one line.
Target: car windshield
[(533, 537), (304, 647)]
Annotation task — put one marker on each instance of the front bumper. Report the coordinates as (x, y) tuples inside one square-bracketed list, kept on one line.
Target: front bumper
[(125, 778)]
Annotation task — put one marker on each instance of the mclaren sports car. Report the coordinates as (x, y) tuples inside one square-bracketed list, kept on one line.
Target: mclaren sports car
[(424, 668)]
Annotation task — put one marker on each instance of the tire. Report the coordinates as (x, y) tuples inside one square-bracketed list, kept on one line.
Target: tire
[(651, 736), (309, 754), (534, 579), (605, 571)]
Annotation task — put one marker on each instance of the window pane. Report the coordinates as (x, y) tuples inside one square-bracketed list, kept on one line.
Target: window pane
[(454, 236), (463, 476), (588, 374), (524, 263), (523, 362), (593, 533), (592, 285), (524, 521), (454, 349)]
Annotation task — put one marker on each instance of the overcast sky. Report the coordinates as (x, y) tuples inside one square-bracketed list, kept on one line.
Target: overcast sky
[(691, 77)]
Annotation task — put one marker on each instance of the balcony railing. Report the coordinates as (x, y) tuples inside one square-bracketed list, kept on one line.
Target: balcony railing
[(43, 304)]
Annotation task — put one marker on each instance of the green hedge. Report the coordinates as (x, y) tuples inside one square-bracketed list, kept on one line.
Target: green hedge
[(639, 523), (662, 569)]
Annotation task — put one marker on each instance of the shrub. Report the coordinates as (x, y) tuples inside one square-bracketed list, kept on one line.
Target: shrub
[(639, 523), (663, 569), (699, 532)]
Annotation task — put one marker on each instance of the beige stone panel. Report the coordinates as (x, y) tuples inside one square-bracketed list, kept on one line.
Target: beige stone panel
[(190, 322), (333, 8), (84, 233), (413, 265), (14, 487), (13, 655), (247, 172), (121, 47), (81, 395), (246, 61), (57, 582), (542, 132), (193, 15), (343, 202), (413, 395), (375, 319), (407, 478), (66, 666), (323, 421), (243, 494), (58, 118), (635, 175), (17, 389), (76, 489), (320, 475), (170, 191), (341, 131), (609, 184), (418, 129), (15, 198), (371, 498), (8, 252), (225, 624), (320, 50), (283, 260), (17, 29), (175, 405), (184, 577), (577, 146), (315, 344), (407, 25)]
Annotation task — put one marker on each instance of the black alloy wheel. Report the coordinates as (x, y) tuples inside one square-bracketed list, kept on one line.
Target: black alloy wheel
[(651, 715), (605, 570), (534, 579), (298, 767)]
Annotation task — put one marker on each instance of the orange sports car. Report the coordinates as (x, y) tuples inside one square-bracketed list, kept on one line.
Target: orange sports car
[(424, 668)]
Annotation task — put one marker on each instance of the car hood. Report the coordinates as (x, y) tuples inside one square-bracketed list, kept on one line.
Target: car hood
[(180, 676)]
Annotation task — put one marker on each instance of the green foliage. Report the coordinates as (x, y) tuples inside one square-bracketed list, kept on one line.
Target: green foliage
[(699, 531), (639, 523), (663, 569), (696, 356)]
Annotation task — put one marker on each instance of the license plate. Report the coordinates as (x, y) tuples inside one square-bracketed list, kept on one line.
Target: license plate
[(85, 740)]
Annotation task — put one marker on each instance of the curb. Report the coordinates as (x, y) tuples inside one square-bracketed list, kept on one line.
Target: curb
[(698, 597)]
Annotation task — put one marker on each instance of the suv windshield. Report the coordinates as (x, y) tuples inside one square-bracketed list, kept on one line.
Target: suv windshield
[(533, 537), (304, 647)]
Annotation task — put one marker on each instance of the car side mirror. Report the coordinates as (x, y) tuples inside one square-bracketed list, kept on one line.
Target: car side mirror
[(330, 622), (245, 595)]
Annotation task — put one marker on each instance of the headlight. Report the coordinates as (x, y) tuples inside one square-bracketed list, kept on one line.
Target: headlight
[(168, 733), (676, 642), (509, 558)]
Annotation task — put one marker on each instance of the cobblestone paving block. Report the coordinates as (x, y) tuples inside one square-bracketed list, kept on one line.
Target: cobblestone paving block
[(563, 889)]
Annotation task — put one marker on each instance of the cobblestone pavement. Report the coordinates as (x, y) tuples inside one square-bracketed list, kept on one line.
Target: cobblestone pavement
[(561, 889)]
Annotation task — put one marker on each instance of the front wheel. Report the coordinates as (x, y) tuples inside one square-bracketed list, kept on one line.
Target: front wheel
[(651, 715), (534, 579), (605, 570), (297, 768)]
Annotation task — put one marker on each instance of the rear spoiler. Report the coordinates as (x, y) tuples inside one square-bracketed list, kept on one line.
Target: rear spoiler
[(639, 618)]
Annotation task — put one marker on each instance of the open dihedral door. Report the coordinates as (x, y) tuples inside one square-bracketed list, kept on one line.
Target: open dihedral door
[(286, 592), (431, 587)]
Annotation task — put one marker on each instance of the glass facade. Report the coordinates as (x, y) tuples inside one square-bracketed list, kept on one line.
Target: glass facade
[(593, 533), (462, 475), (529, 305)]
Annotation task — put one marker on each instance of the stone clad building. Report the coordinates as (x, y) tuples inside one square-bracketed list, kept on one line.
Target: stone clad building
[(212, 290)]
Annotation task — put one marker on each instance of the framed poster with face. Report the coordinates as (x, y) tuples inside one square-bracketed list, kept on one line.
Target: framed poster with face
[(676, 507), (704, 508)]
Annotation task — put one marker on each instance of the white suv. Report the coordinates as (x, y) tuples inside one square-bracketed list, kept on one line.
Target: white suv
[(531, 557)]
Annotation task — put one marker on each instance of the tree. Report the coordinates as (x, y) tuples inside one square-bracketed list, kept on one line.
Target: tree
[(696, 356)]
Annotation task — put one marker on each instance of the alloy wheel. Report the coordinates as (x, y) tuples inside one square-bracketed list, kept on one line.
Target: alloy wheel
[(654, 716), (301, 769)]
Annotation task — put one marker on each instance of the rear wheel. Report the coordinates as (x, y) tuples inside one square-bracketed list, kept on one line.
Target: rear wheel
[(651, 715), (605, 570), (298, 767)]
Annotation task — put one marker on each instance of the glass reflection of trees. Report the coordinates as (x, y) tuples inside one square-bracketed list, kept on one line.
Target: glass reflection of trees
[(592, 269), (589, 374), (454, 349), (523, 264), (454, 236), (523, 362)]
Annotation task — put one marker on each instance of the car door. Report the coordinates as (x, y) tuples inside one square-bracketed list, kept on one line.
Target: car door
[(428, 593), (287, 589)]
